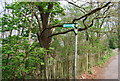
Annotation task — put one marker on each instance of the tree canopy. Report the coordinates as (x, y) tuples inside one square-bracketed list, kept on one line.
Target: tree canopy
[(36, 46)]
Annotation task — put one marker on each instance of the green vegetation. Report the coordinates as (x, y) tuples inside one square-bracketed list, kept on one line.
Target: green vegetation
[(90, 72), (105, 58), (20, 57), (34, 46)]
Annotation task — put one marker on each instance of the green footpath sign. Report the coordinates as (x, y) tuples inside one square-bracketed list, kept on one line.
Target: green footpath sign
[(75, 27), (69, 25)]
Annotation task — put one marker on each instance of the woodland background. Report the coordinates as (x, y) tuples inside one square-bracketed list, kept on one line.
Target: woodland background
[(35, 46)]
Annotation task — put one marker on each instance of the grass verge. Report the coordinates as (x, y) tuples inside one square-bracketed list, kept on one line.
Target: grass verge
[(105, 58)]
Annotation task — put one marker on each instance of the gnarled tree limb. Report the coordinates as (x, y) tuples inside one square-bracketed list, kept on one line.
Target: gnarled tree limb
[(85, 16), (77, 6), (80, 29), (92, 12)]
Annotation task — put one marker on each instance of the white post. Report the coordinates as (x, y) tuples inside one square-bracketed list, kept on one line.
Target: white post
[(75, 54)]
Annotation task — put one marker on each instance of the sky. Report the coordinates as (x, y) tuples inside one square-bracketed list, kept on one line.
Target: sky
[(62, 1)]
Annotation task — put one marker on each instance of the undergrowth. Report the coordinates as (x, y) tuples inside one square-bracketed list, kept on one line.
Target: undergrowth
[(104, 59)]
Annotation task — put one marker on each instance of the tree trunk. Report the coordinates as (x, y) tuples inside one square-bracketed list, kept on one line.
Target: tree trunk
[(45, 41), (43, 36)]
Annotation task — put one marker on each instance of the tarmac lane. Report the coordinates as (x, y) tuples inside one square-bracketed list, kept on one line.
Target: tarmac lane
[(112, 70)]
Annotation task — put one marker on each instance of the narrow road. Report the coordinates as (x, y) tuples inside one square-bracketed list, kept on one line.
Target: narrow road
[(108, 71), (111, 70)]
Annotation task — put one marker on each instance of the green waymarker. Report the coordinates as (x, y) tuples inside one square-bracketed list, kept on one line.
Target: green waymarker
[(75, 27), (69, 25)]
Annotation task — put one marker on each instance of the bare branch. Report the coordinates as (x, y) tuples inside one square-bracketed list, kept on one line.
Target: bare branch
[(45, 15), (110, 31), (92, 12), (98, 17), (84, 21), (36, 16), (34, 13), (50, 28), (79, 29), (86, 15), (38, 19), (76, 6), (32, 23), (50, 6)]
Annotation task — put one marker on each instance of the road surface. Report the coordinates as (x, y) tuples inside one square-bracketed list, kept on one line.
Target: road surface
[(111, 70)]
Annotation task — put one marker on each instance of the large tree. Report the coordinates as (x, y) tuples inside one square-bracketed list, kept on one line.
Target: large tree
[(41, 19)]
